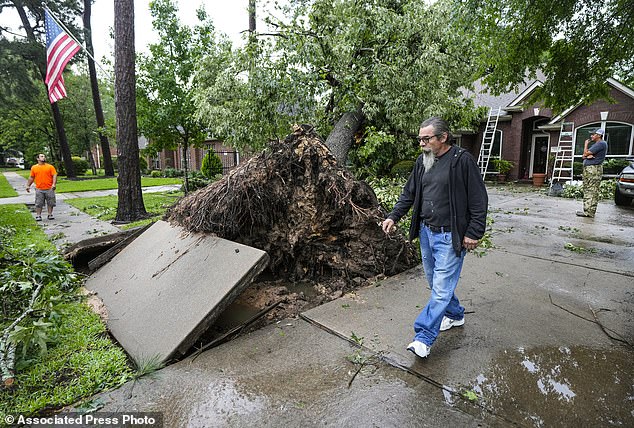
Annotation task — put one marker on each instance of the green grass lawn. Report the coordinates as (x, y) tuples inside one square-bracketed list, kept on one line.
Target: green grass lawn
[(6, 191), (89, 182), (105, 207), (64, 185), (79, 358)]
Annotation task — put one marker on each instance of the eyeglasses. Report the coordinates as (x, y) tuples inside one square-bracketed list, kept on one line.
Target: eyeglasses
[(427, 139)]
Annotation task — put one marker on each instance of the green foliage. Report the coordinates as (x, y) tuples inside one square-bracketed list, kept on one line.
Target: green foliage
[(376, 154), (165, 79), (81, 362), (575, 191), (6, 191), (81, 165), (64, 352), (398, 61), (156, 174), (470, 395), (173, 173), (197, 180), (502, 166), (147, 367), (212, 165), (402, 168), (578, 249), (569, 41), (387, 191), (614, 165)]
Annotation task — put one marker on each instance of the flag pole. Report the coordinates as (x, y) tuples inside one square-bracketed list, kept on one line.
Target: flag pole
[(61, 24)]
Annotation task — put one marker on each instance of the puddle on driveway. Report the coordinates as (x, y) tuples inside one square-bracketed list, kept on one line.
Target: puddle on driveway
[(565, 386)]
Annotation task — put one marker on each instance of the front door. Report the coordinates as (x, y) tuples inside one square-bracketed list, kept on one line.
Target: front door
[(539, 151)]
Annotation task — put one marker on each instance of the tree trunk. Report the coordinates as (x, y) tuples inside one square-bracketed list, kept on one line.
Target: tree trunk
[(57, 117), (185, 166), (341, 137), (252, 17), (96, 99), (130, 206)]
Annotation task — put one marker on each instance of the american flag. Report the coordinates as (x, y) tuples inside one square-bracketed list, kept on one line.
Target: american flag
[(60, 48)]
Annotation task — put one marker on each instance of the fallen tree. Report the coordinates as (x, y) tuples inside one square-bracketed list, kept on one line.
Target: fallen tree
[(309, 214)]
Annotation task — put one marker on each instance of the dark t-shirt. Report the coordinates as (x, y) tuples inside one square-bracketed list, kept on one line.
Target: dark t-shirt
[(599, 149), (435, 196)]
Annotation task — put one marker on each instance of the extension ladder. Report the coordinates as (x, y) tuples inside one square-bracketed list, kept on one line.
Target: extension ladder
[(564, 155), (487, 142)]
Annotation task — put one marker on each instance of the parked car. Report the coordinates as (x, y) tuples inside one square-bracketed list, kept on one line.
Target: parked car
[(624, 192), (15, 162)]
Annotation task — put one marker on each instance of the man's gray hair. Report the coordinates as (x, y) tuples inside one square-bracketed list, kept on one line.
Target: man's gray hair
[(440, 127)]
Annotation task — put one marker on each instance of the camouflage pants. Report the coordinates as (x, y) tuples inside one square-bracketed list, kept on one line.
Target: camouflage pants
[(591, 183)]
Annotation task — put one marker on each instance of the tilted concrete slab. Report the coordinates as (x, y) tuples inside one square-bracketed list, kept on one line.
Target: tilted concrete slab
[(168, 286)]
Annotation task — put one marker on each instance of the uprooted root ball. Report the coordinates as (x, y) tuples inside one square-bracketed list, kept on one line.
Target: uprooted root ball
[(309, 214)]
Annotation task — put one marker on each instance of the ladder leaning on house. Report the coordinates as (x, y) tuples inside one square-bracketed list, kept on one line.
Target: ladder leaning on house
[(564, 155), (487, 142)]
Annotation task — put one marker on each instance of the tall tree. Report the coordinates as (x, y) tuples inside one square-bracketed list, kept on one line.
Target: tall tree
[(167, 114), (96, 97), (577, 44), (130, 205), (337, 64), (36, 10)]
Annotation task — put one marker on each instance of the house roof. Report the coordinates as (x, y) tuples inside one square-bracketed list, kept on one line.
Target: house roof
[(508, 101), (612, 82)]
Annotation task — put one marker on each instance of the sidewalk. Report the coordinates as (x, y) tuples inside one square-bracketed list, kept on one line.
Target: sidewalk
[(531, 352), (70, 224), (549, 312)]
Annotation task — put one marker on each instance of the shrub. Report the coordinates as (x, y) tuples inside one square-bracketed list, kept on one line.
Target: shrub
[(614, 166), (81, 165), (502, 166), (212, 165), (402, 168), (172, 173), (156, 174), (575, 191), (197, 180)]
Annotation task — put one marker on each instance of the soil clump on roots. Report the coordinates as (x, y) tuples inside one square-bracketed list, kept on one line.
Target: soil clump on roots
[(317, 223)]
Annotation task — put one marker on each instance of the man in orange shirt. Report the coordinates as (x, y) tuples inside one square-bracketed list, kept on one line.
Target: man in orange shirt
[(45, 177)]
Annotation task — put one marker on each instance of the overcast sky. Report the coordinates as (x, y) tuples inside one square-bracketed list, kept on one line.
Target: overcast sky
[(229, 17)]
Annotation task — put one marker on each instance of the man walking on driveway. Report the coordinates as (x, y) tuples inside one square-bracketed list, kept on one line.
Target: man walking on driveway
[(593, 158), (45, 177), (449, 203)]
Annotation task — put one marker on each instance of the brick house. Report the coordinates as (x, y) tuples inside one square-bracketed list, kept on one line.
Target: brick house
[(527, 134), (174, 158)]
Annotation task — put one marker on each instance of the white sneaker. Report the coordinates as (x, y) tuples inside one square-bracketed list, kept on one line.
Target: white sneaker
[(447, 323), (419, 348)]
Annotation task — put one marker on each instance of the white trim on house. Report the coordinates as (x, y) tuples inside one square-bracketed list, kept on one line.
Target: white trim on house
[(621, 87), (610, 81), (520, 98)]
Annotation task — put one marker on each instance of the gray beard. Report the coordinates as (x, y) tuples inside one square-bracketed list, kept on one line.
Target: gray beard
[(428, 160)]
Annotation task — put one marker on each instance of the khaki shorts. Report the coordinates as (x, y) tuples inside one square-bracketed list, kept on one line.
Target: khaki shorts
[(42, 196)]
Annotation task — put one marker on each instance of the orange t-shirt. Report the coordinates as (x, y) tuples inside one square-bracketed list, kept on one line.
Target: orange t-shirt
[(43, 175)]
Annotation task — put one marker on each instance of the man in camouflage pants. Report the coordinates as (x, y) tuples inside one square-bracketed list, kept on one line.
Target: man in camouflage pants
[(593, 158)]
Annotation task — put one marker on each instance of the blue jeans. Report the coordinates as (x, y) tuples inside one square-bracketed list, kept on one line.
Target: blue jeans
[(442, 269)]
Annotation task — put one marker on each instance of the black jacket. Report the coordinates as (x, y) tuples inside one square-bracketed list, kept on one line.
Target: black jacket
[(468, 200)]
